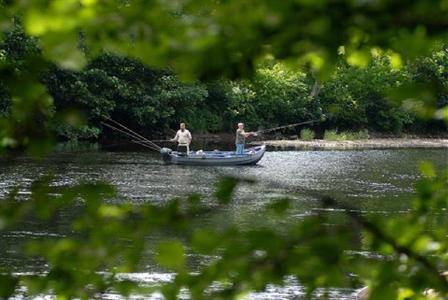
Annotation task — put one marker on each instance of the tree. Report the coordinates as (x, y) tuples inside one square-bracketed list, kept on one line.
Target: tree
[(283, 95), (209, 39), (214, 38), (357, 98), (432, 72)]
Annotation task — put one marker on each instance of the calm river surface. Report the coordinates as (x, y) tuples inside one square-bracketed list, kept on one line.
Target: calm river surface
[(373, 181)]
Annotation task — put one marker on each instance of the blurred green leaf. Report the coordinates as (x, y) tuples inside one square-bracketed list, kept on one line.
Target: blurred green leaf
[(427, 169), (8, 285), (225, 189), (203, 39), (171, 255), (280, 206), (205, 240), (416, 97), (359, 58)]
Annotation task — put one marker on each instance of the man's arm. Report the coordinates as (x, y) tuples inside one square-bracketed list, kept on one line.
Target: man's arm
[(176, 137), (189, 137)]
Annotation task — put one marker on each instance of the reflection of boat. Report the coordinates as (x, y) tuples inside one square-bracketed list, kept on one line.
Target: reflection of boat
[(214, 158)]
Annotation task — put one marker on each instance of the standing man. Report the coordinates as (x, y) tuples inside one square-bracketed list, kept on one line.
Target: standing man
[(240, 138), (183, 139)]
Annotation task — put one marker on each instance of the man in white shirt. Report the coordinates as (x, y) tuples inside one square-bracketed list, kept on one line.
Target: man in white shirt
[(183, 139)]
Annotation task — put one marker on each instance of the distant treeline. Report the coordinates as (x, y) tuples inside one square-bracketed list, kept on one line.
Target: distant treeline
[(154, 100)]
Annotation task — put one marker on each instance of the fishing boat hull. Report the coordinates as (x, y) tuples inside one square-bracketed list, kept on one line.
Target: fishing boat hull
[(251, 156)]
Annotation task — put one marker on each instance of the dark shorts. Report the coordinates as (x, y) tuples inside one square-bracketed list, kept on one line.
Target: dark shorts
[(182, 149)]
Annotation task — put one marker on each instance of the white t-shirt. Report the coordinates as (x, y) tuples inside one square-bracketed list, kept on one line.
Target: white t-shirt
[(183, 137)]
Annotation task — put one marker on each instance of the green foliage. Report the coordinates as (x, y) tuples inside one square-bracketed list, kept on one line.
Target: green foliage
[(134, 89), (17, 47), (111, 237), (307, 134), (8, 285), (186, 102), (274, 95), (153, 100), (356, 98), (282, 95), (203, 39), (171, 255), (334, 135), (108, 239), (418, 237), (225, 189), (128, 91), (331, 135), (208, 40), (72, 91), (431, 73), (4, 102), (25, 106)]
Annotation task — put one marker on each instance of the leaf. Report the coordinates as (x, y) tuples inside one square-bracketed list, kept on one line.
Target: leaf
[(280, 206), (8, 284), (35, 23), (420, 98), (427, 169), (225, 188), (171, 255), (205, 241), (359, 58), (38, 148), (63, 48)]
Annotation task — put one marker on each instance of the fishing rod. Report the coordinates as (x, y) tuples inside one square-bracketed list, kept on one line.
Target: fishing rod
[(127, 134), (135, 136), (140, 137), (142, 143), (145, 144), (287, 126)]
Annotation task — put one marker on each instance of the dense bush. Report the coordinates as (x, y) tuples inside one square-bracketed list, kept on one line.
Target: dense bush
[(126, 90), (307, 134), (431, 71), (4, 101), (409, 251), (154, 100), (334, 135), (283, 97), (356, 98)]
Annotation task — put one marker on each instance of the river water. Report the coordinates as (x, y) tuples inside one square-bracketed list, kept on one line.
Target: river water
[(373, 181)]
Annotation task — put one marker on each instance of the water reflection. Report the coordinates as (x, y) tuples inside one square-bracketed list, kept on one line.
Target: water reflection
[(373, 182)]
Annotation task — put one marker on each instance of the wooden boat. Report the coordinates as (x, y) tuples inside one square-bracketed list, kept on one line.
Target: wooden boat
[(214, 158)]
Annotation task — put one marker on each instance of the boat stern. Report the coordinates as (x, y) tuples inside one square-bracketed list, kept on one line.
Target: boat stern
[(166, 154)]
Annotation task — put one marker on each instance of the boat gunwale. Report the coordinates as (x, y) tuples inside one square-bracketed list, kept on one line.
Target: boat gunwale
[(245, 159)]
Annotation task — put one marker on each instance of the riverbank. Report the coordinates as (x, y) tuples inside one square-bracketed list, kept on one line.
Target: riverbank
[(392, 143)]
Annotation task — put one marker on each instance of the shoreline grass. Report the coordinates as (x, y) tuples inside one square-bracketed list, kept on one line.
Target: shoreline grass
[(334, 135)]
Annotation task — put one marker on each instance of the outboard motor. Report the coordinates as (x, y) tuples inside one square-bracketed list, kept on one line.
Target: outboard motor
[(166, 154)]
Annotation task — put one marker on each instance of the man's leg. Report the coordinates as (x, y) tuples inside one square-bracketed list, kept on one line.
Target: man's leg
[(182, 149), (239, 149)]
